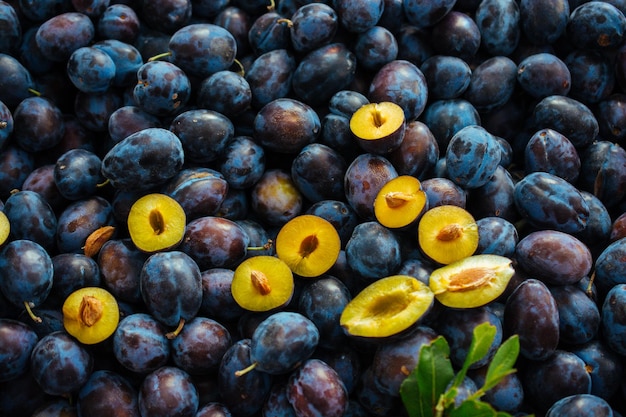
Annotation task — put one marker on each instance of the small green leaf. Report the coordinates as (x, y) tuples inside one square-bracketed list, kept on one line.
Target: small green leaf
[(482, 339), (473, 408), (502, 362), (421, 390)]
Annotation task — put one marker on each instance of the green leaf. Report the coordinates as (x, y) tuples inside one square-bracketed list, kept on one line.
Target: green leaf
[(473, 408), (502, 362), (482, 339), (421, 390)]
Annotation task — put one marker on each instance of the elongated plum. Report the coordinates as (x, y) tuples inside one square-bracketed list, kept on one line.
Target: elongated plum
[(548, 201), (143, 160), (171, 287), (554, 257), (316, 389), (532, 313)]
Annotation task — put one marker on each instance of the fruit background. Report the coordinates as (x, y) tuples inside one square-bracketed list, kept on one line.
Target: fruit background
[(151, 149)]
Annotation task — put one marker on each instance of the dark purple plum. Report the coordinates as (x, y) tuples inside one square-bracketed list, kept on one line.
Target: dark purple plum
[(356, 16), (413, 44), (298, 125), (77, 174), (90, 69), (15, 81), (544, 74), (497, 236), (568, 116), (323, 72), (596, 25), (447, 76), (18, 341), (346, 102), (243, 162), (312, 25), (579, 315), (316, 389), (418, 153), (140, 344), (268, 32), (323, 302), (270, 76), (107, 392), (492, 83), (214, 242), (544, 22), (364, 178), (373, 251), (244, 394), (457, 36), (168, 391), (199, 347), (457, 326), (31, 217), (495, 197), (550, 151), (130, 119), (93, 110), (444, 118), (499, 23), (392, 359), (339, 214), (143, 160), (79, 219), (277, 404), (613, 324), (63, 33), (200, 191), (225, 92), (336, 134), (26, 273), (71, 271), (282, 341), (593, 76), (551, 202), (555, 257), (604, 364), (275, 199), (318, 171), (166, 16), (580, 405), (120, 22), (236, 20), (532, 313), (472, 157), (201, 49), (441, 191), (38, 124), (171, 287), (203, 133), (162, 88), (217, 299), (549, 380), (60, 364), (375, 47), (602, 171), (120, 264), (127, 60)]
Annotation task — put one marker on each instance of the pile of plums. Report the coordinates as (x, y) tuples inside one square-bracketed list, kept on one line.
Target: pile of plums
[(151, 149)]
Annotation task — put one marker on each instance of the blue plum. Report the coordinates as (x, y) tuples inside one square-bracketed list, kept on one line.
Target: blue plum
[(162, 88), (168, 391), (140, 344), (144, 159), (171, 287), (60, 364), (18, 341), (373, 251)]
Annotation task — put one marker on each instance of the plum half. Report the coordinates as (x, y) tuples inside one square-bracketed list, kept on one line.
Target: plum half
[(378, 127), (387, 307)]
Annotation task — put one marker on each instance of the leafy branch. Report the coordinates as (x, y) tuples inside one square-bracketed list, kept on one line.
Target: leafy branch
[(431, 388)]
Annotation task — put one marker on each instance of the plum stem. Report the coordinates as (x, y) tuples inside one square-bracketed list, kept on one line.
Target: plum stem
[(28, 305), (246, 370), (171, 335), (159, 56)]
